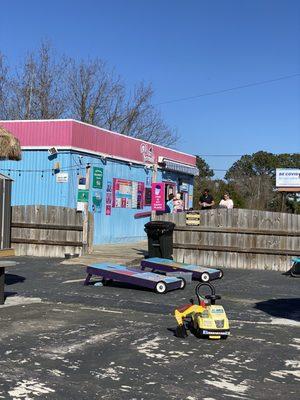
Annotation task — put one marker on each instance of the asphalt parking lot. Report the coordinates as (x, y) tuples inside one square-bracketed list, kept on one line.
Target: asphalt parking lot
[(62, 340)]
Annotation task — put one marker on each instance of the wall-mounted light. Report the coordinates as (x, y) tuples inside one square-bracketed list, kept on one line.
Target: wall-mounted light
[(52, 151)]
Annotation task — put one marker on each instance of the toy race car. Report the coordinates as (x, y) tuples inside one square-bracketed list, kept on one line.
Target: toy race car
[(295, 270), (206, 320)]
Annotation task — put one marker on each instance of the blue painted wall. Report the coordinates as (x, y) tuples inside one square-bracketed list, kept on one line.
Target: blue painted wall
[(36, 184)]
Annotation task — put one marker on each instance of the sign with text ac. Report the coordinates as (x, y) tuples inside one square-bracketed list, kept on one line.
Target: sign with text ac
[(97, 177), (158, 198), (288, 177)]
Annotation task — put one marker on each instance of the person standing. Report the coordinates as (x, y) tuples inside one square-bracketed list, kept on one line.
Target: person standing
[(178, 204), (170, 204), (226, 202), (206, 201)]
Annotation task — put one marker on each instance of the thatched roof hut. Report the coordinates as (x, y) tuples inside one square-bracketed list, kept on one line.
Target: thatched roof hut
[(9, 146)]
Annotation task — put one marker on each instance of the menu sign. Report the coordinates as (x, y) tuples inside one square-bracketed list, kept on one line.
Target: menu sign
[(158, 196), (122, 193), (97, 177)]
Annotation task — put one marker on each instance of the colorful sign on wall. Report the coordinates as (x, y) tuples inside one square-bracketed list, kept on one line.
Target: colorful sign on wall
[(137, 195), (122, 190), (158, 196), (140, 195), (128, 194), (62, 177), (108, 200), (147, 152), (96, 201), (134, 198), (83, 196), (97, 177)]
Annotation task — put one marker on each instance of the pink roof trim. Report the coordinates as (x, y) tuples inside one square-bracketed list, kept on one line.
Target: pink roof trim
[(71, 133)]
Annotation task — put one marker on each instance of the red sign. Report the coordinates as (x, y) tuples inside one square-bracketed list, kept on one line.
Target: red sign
[(140, 195), (158, 197)]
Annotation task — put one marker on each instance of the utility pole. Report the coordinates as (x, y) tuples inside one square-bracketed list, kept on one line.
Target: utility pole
[(85, 233), (282, 201), (154, 179)]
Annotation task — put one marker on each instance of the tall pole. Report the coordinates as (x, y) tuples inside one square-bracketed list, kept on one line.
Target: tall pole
[(154, 179), (282, 201), (85, 233)]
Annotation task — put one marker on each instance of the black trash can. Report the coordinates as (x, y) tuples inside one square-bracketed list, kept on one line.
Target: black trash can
[(160, 239)]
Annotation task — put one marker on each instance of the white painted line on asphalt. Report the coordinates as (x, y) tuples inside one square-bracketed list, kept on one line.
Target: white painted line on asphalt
[(74, 280), (20, 301), (102, 310), (274, 321)]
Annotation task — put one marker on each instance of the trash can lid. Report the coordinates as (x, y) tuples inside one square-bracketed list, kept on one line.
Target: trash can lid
[(163, 225)]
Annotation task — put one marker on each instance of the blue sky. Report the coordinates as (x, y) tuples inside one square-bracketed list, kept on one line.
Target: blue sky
[(184, 48)]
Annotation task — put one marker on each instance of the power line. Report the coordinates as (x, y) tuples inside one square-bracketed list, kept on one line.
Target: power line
[(220, 155), (247, 85)]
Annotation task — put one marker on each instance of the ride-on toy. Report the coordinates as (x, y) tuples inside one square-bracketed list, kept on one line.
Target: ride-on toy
[(205, 319), (295, 270)]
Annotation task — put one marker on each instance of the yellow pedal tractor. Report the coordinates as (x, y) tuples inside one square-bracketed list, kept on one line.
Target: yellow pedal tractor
[(205, 319)]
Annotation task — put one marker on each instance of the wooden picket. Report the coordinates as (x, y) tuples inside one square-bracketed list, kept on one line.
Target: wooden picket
[(47, 231), (237, 238)]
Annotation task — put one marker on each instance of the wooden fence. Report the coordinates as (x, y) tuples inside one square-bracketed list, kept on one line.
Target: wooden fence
[(237, 239), (48, 231)]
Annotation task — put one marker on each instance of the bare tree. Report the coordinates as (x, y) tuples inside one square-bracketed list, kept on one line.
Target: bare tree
[(38, 87), (141, 119), (23, 91), (50, 94), (4, 87), (98, 97), (90, 91), (47, 87)]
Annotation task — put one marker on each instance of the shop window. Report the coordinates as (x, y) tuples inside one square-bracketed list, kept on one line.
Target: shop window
[(148, 194)]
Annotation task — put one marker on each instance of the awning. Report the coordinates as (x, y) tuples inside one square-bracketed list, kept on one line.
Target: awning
[(178, 167)]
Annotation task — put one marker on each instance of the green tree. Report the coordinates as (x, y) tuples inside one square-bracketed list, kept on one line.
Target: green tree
[(253, 178), (220, 186), (203, 180)]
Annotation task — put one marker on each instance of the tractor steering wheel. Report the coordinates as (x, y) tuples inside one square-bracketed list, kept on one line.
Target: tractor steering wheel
[(212, 297)]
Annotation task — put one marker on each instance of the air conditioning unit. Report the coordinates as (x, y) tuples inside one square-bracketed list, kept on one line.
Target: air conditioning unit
[(52, 151)]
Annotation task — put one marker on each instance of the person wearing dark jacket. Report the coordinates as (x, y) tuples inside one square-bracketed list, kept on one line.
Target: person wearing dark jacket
[(206, 201)]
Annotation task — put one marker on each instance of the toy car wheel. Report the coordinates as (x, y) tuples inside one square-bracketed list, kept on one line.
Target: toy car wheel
[(106, 282), (183, 283), (205, 277), (161, 287)]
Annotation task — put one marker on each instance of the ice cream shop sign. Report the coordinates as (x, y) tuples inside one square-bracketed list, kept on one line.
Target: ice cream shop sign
[(158, 196), (147, 152)]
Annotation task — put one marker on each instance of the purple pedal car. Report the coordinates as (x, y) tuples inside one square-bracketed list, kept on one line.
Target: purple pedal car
[(109, 272), (201, 274)]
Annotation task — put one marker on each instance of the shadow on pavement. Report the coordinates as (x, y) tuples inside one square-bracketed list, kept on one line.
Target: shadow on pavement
[(11, 279), (122, 285), (281, 308), (141, 252)]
